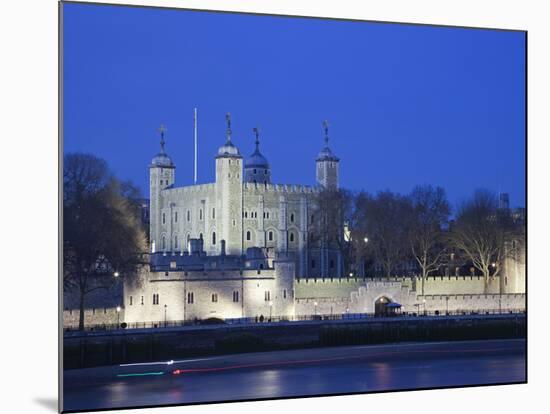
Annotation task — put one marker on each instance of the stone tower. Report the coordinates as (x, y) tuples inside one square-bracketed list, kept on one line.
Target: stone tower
[(229, 197), (327, 165), (162, 172)]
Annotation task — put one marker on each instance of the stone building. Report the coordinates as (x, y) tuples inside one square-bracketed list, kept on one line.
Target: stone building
[(244, 208)]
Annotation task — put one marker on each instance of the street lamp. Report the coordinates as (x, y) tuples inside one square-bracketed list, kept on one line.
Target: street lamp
[(165, 306), (116, 274), (118, 315), (366, 239)]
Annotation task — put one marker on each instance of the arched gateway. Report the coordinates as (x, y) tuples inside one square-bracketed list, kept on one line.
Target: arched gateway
[(380, 306)]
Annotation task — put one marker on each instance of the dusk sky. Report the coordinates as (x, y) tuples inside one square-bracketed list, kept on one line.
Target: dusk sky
[(406, 104)]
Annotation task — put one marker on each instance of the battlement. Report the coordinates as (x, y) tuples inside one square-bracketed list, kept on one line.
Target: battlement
[(190, 189), (280, 188)]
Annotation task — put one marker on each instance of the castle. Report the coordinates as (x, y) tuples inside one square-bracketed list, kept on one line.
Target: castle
[(241, 210), (239, 248)]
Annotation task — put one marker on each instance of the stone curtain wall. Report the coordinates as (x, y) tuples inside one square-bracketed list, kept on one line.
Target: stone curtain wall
[(94, 316)]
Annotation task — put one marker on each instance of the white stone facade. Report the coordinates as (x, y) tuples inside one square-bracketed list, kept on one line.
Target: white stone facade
[(243, 208)]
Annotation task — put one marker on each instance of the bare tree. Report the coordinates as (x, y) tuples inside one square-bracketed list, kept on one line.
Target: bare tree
[(480, 233), (101, 229), (430, 213), (384, 220), (327, 228)]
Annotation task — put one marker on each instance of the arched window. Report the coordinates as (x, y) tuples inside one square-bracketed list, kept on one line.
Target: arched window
[(200, 214), (188, 215), (213, 213), (291, 237), (163, 242), (292, 218), (175, 242), (270, 236), (163, 218), (213, 237), (176, 216), (248, 235)]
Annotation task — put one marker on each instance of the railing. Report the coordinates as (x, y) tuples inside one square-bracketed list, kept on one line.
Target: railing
[(297, 318)]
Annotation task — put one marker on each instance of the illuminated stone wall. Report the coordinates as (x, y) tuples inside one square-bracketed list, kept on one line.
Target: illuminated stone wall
[(215, 293)]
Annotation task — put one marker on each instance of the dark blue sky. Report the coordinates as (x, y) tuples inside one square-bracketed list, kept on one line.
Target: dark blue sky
[(406, 104)]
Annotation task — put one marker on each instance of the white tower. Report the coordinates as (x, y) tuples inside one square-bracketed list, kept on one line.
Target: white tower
[(162, 172), (229, 197)]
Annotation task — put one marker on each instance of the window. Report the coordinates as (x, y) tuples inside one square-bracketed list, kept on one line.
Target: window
[(331, 264), (176, 216), (175, 242), (235, 296), (270, 236), (247, 235), (292, 217), (188, 215), (200, 214), (190, 297), (163, 218), (313, 264), (131, 300), (200, 235), (213, 213), (214, 297), (142, 300), (267, 295), (254, 170), (284, 293), (163, 243), (246, 214), (265, 171), (312, 218), (267, 214), (155, 298), (214, 237), (291, 237)]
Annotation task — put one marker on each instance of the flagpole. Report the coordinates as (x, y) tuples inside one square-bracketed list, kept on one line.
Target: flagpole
[(195, 136)]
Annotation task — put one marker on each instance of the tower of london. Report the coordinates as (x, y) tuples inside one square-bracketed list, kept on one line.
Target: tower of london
[(243, 210)]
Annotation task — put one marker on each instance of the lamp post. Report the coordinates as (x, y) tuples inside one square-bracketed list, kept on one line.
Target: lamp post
[(165, 306), (116, 274), (118, 315)]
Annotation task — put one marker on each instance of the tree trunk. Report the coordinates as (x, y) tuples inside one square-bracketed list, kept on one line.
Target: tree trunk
[(423, 279), (485, 282), (81, 313)]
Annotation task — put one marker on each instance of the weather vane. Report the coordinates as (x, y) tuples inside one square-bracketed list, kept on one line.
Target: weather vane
[(257, 133), (228, 119), (325, 126), (162, 130)]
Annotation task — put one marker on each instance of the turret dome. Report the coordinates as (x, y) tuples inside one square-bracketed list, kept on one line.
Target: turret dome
[(256, 167), (228, 149), (256, 160), (326, 153), (162, 159)]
